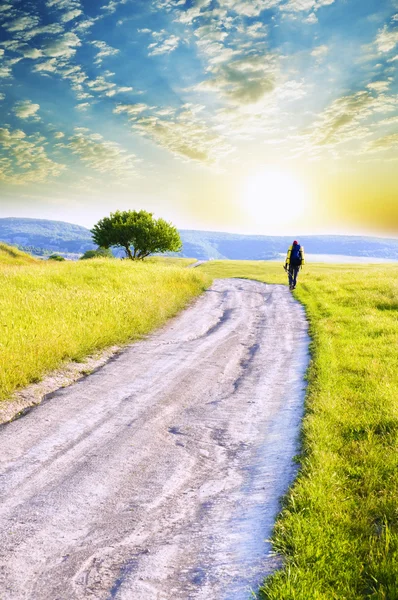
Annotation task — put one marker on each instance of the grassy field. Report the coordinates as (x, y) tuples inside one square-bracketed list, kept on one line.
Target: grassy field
[(53, 312), (338, 530), (13, 257)]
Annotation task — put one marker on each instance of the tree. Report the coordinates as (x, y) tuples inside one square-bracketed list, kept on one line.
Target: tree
[(98, 253), (57, 257), (137, 232)]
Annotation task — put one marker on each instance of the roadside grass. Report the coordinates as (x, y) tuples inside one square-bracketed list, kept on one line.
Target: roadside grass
[(338, 529), (54, 312), (14, 257), (171, 260)]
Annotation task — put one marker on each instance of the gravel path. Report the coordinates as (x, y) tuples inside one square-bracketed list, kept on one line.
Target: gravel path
[(159, 476)]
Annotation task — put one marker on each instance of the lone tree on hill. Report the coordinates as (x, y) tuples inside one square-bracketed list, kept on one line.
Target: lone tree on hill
[(137, 232)]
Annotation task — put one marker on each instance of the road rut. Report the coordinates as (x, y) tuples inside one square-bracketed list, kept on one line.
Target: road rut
[(159, 476)]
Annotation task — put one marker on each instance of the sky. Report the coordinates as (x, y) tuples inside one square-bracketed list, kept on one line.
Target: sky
[(250, 116)]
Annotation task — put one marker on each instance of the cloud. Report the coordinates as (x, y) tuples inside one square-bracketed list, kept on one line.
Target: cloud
[(52, 29), (320, 51), (387, 39), (2, 96), (189, 15), (118, 90), (59, 135), (248, 9), (305, 5), (26, 109), (83, 106), (63, 4), (70, 15), (387, 142), (163, 44), (104, 50), (65, 45), (130, 109), (22, 23), (343, 119), (244, 80), (180, 132), (100, 84), (101, 155), (26, 159), (379, 86), (112, 6)]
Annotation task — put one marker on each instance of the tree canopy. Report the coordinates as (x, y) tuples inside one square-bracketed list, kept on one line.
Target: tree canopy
[(137, 232)]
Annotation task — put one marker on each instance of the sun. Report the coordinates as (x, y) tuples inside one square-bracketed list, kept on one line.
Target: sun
[(275, 197)]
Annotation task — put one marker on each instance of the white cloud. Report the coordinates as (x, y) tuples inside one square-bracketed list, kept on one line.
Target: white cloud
[(118, 90), (63, 4), (100, 84), (27, 160), (386, 39), (48, 66), (104, 50), (320, 51), (101, 155), (130, 109), (112, 6), (22, 23), (70, 15), (52, 29), (163, 43), (387, 142), (2, 96), (379, 86), (25, 109), (32, 53), (243, 80), (180, 132), (248, 9), (305, 5), (65, 45), (344, 119), (83, 106), (59, 135)]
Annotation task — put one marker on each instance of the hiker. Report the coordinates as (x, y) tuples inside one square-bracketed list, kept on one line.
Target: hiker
[(294, 260)]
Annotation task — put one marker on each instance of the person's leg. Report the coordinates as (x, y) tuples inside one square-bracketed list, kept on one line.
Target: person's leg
[(290, 272), (296, 270)]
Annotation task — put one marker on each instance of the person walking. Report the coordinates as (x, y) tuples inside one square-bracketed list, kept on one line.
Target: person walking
[(294, 260)]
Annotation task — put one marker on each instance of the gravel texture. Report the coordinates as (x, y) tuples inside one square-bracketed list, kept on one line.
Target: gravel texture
[(158, 477)]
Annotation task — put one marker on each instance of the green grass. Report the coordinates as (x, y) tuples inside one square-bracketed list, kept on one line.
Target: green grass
[(338, 529), (53, 312), (14, 257)]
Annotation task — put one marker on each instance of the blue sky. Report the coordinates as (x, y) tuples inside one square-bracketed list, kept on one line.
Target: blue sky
[(265, 116)]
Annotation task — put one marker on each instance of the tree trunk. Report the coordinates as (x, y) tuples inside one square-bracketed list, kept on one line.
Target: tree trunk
[(128, 252)]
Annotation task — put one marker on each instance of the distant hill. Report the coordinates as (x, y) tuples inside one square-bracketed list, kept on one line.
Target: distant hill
[(41, 237), (207, 244)]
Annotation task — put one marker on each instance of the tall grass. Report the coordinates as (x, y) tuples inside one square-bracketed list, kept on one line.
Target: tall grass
[(14, 257), (52, 312), (338, 530)]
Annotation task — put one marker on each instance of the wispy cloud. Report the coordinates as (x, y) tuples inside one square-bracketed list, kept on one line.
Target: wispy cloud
[(101, 155), (163, 44), (181, 132), (103, 51), (26, 160)]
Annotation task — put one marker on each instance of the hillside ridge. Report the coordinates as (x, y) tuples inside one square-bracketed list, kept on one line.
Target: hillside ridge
[(41, 236)]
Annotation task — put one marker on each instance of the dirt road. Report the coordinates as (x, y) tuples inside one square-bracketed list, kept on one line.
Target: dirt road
[(158, 477)]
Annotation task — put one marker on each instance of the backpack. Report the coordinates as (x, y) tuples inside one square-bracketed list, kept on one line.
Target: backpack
[(295, 256)]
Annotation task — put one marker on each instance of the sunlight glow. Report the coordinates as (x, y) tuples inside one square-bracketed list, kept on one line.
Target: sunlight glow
[(274, 197)]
